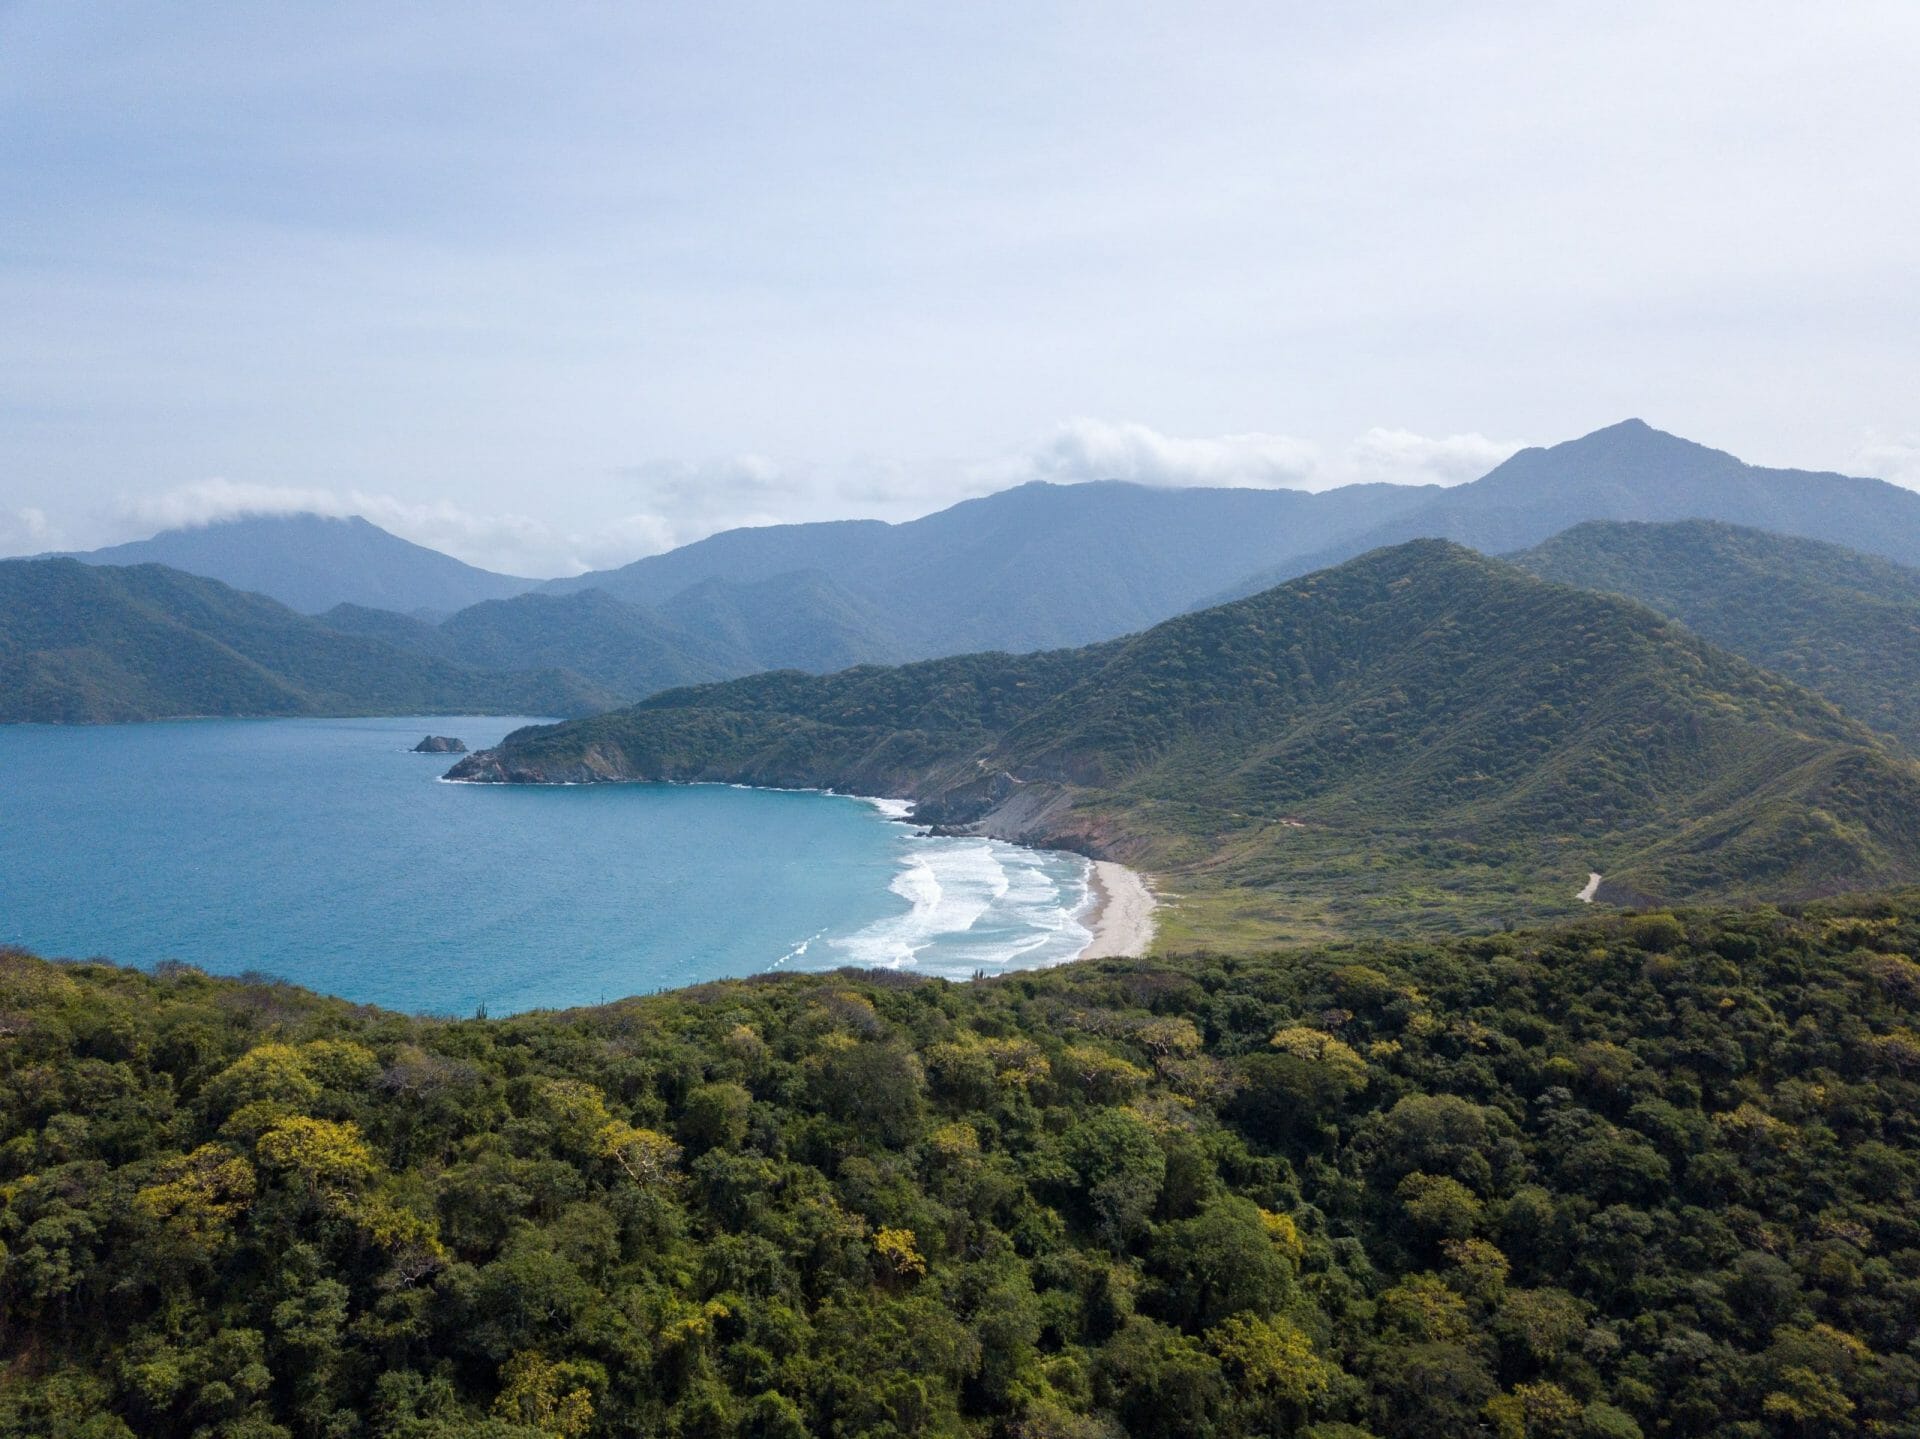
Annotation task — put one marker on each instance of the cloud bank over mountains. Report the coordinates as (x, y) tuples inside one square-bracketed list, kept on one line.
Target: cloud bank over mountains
[(661, 504), (673, 502), (1088, 449)]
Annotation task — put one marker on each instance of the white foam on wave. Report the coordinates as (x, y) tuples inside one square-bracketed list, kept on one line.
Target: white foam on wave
[(973, 905)]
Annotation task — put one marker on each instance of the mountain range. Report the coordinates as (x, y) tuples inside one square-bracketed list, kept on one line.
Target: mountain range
[(1631, 471), (1421, 736), (101, 644), (1036, 567), (713, 629)]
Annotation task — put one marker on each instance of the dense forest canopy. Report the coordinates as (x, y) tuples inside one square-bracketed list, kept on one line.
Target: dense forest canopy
[(1844, 624), (1651, 1174)]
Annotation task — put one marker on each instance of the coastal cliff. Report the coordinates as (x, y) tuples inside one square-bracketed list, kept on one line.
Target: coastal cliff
[(1043, 814)]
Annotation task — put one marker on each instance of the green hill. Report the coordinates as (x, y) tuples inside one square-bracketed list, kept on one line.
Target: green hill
[(802, 619), (98, 644), (715, 629), (619, 646), (1652, 1175), (1842, 623), (1421, 736)]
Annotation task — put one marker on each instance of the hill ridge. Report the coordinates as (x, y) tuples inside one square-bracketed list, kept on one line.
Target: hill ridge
[(83, 643), (1477, 724), (312, 562)]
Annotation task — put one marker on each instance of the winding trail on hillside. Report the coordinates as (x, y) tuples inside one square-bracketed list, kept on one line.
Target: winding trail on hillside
[(1122, 920), (1593, 887)]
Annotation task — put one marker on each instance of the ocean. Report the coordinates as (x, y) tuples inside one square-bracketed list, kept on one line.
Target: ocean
[(323, 852)]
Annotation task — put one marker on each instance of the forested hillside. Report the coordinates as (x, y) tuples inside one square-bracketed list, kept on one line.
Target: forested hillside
[(1419, 737), (98, 644), (717, 629), (1842, 623), (1652, 1174)]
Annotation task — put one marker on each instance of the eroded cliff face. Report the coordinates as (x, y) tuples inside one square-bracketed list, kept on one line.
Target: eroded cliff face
[(1044, 814), (496, 766)]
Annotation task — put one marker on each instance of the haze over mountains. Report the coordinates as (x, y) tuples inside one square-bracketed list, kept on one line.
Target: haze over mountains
[(1631, 471), (1040, 566), (311, 563)]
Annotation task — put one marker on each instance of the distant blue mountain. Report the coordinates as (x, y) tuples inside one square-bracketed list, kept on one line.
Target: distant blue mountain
[(1037, 567), (1631, 471), (1041, 566), (313, 562)]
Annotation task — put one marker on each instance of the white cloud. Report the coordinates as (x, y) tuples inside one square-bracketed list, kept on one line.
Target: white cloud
[(1087, 449), (1403, 458), (692, 498), (205, 501), (27, 531), (663, 503), (1891, 457)]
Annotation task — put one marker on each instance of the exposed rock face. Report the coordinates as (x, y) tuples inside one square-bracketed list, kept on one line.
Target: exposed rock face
[(440, 744), (1041, 813)]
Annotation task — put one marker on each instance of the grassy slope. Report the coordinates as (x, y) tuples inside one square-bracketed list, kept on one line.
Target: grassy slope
[(1844, 624), (1422, 736), (99, 644)]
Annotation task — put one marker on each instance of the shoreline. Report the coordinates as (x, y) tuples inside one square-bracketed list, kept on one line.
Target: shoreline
[(1122, 918)]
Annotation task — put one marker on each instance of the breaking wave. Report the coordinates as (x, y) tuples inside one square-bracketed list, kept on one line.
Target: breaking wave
[(972, 905)]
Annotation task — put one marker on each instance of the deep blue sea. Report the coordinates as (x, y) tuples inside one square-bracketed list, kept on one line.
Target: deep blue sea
[(323, 852)]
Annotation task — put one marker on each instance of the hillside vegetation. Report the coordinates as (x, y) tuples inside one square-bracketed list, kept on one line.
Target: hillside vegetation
[(1420, 736), (716, 629), (1655, 1175), (1842, 623), (98, 644)]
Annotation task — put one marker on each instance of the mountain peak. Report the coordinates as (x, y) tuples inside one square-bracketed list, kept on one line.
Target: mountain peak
[(312, 562)]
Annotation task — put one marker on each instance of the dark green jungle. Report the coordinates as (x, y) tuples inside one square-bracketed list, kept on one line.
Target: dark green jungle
[(1646, 1174)]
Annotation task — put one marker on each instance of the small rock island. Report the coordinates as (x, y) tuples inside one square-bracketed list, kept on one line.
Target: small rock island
[(440, 744)]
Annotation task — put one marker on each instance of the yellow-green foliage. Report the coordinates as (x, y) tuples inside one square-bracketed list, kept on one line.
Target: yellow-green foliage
[(1632, 1178)]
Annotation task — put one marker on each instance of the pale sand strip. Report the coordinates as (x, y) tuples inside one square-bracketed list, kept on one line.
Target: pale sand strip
[(1593, 887), (1122, 919)]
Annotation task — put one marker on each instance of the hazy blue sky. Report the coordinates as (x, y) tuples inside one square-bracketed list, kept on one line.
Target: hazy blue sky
[(550, 285)]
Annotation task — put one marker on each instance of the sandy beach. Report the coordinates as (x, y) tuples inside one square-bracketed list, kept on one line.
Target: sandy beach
[(1122, 919)]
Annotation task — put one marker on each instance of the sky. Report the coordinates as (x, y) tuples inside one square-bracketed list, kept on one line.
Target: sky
[(554, 286)]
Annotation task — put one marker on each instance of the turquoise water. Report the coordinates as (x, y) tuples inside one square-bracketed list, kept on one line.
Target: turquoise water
[(322, 852)]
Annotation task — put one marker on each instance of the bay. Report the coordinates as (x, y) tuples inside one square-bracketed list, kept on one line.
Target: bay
[(323, 852)]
